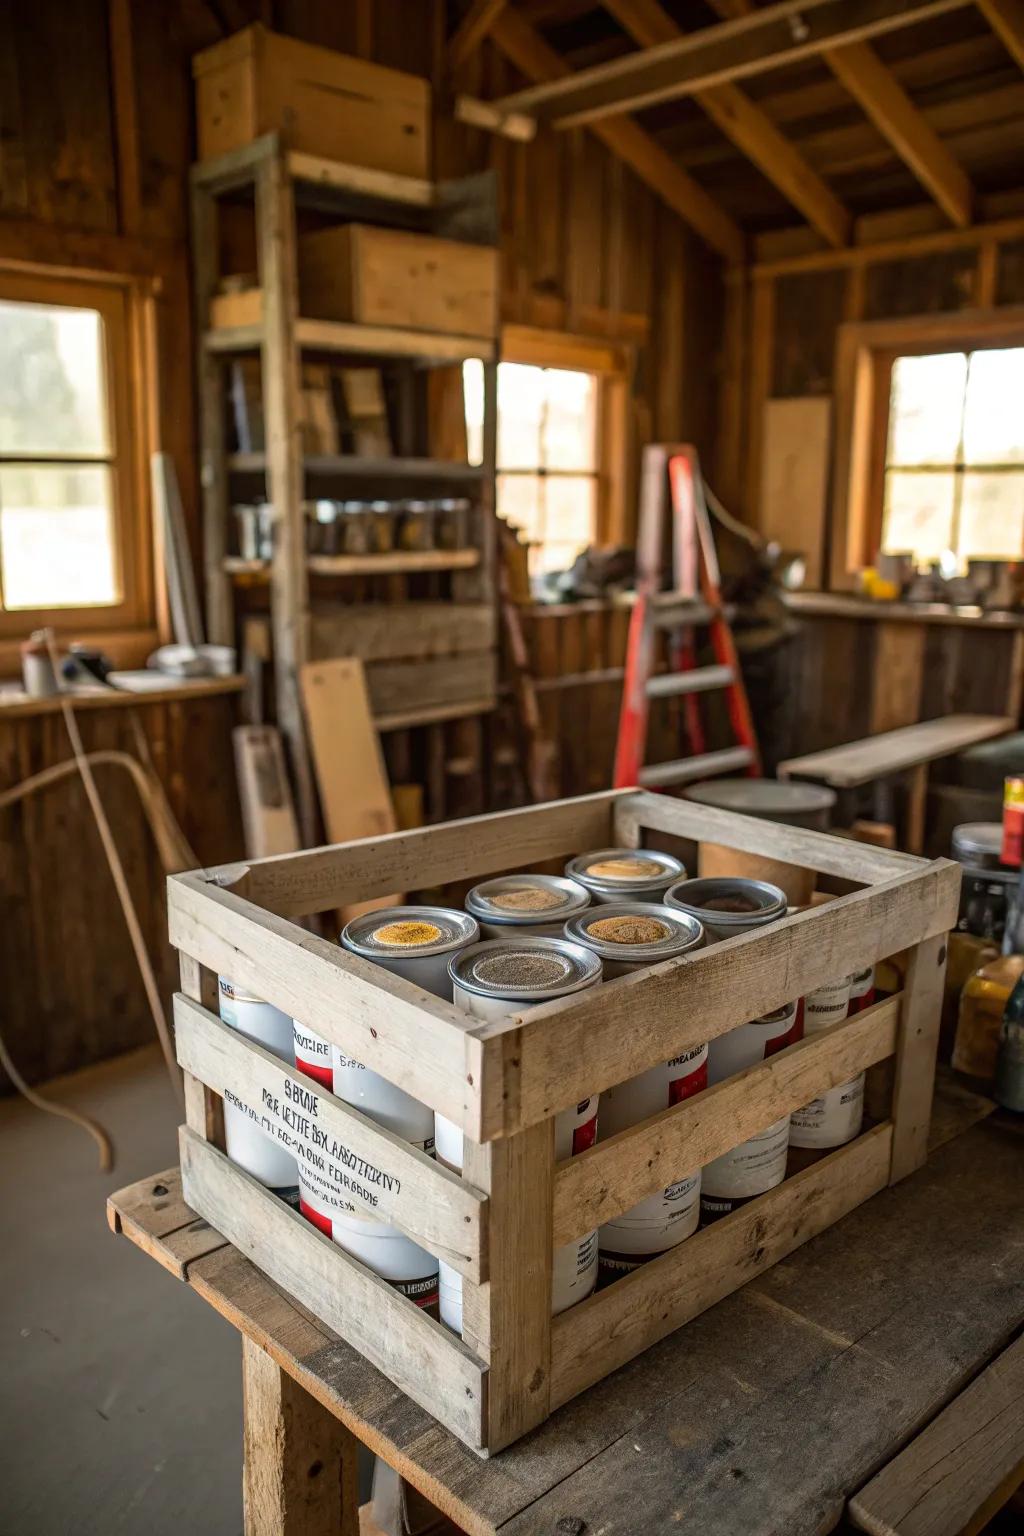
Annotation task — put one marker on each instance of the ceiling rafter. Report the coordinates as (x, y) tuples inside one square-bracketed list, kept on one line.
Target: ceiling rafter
[(1006, 18), (472, 29), (538, 61), (883, 99), (732, 50), (748, 127)]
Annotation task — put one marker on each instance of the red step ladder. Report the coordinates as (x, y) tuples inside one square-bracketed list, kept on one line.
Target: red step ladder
[(693, 602)]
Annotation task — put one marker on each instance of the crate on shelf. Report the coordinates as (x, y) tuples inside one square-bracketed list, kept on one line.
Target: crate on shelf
[(504, 1080)]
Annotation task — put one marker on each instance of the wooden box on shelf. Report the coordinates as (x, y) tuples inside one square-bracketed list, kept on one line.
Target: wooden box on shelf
[(321, 102), (390, 277), (503, 1082)]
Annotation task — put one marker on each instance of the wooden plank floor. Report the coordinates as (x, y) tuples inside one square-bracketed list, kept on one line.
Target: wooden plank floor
[(803, 1383)]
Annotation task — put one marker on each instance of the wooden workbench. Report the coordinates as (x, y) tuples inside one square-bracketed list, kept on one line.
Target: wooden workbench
[(763, 1415)]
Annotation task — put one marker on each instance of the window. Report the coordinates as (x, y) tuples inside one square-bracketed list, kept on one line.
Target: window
[(68, 469), (954, 464), (560, 453)]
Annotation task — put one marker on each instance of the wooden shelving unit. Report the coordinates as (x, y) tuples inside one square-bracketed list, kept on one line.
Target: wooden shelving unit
[(279, 181)]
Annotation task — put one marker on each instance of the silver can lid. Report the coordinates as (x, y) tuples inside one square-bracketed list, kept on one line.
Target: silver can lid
[(521, 899), (726, 899), (979, 843), (624, 870), (368, 934), (681, 932), (528, 970)]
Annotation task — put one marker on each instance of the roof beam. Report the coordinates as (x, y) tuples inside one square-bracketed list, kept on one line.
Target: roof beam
[(781, 34), (747, 126), (472, 29), (539, 62), (883, 99), (1006, 18)]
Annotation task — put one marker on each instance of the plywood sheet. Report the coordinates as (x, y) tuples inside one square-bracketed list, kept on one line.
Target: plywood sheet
[(794, 477)]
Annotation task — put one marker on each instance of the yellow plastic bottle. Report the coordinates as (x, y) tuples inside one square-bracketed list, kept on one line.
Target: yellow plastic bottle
[(982, 1002)]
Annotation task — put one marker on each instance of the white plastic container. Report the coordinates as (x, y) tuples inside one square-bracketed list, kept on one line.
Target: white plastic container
[(625, 874), (759, 1164), (837, 1116), (521, 906), (571, 968), (680, 934), (727, 905), (425, 963), (246, 1137)]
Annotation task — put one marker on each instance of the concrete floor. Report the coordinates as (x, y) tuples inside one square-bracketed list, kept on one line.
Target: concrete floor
[(120, 1392)]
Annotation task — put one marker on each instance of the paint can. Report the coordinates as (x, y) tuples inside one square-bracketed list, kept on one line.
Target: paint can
[(382, 1248), (758, 1164), (625, 874), (837, 1116), (414, 942), (862, 989), (628, 935), (340, 1073), (728, 904), (246, 1139), (520, 906), (490, 980)]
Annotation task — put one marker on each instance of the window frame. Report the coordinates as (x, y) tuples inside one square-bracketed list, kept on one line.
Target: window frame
[(612, 365), (865, 355), (117, 300)]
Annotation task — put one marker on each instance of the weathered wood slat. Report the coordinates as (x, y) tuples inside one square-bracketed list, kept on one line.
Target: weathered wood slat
[(893, 751), (610, 1328), (611, 1177), (428, 1363), (384, 1176)]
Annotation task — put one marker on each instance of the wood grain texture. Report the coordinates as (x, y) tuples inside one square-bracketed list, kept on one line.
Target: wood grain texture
[(428, 1363), (862, 761), (300, 1468), (915, 1055), (959, 1470), (611, 1177)]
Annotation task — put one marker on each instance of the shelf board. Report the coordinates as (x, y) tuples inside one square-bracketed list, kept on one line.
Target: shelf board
[(338, 176), (359, 340), (354, 467), (15, 703), (402, 562)]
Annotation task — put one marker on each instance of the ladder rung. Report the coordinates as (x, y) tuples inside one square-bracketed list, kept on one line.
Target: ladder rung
[(670, 609), (685, 769), (697, 680)]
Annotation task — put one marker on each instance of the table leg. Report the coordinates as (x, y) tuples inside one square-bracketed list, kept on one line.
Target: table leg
[(300, 1469)]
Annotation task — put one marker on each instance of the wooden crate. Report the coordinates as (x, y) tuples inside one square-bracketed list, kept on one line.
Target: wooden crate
[(391, 277), (503, 1082), (321, 102)]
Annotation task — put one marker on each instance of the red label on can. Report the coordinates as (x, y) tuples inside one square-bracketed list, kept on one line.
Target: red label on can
[(794, 1033), (317, 1218), (585, 1135), (324, 1075), (681, 1088)]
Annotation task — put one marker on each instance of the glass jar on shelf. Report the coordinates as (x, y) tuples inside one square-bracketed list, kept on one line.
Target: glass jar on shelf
[(451, 523), (417, 525), (382, 526), (356, 521)]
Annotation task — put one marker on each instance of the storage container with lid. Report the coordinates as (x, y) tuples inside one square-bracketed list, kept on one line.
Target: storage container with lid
[(521, 905), (414, 942), (728, 905), (625, 874), (629, 935), (759, 1163)]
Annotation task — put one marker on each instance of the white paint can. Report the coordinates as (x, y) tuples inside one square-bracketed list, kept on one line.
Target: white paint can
[(414, 942), (491, 979), (520, 906), (367, 1091), (249, 1138), (758, 1164), (628, 935), (837, 1116), (625, 874), (728, 905), (382, 1248)]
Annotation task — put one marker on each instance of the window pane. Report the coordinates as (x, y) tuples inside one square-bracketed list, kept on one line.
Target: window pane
[(52, 395), (520, 407), (992, 516), (569, 431), (571, 507), (925, 408), (520, 500), (994, 417), (56, 536), (918, 515), (473, 395)]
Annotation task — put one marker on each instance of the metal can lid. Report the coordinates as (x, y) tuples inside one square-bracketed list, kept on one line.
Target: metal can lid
[(529, 970), (624, 869), (521, 899), (726, 899), (681, 932), (411, 932), (978, 843)]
